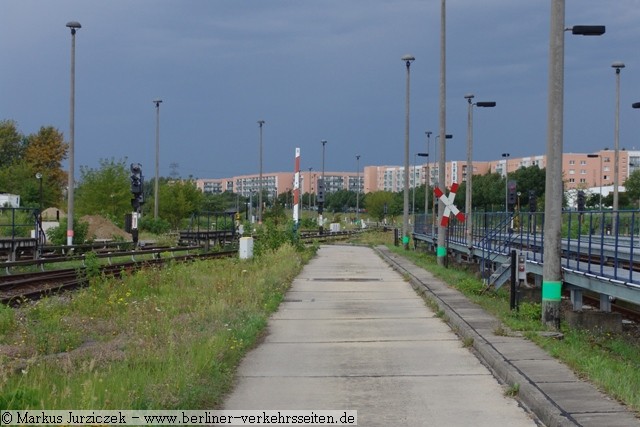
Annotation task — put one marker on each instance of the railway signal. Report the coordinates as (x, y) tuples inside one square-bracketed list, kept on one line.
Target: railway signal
[(137, 189)]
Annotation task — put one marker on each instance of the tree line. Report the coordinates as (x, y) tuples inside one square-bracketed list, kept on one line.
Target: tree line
[(105, 190)]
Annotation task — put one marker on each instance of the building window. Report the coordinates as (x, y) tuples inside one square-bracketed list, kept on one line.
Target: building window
[(572, 162)]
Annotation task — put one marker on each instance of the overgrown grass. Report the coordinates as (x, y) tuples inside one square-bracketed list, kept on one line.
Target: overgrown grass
[(611, 362), (164, 338)]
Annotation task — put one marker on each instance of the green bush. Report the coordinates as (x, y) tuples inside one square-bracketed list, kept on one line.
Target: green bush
[(58, 235), (154, 225)]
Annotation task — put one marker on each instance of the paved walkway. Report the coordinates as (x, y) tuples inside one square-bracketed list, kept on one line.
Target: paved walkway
[(352, 334)]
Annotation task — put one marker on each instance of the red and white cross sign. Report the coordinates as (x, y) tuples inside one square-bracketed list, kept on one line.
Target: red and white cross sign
[(449, 207)]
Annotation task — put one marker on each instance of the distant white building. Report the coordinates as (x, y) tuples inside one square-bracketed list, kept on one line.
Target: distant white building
[(9, 200)]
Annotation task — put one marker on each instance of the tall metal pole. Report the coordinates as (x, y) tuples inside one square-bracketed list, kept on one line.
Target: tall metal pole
[(324, 185), (358, 188), (506, 182), (74, 26), (427, 182), (552, 272), (441, 251), (405, 211), (310, 188), (260, 123), (600, 201), (156, 185), (467, 202), (616, 141), (413, 192), (323, 142)]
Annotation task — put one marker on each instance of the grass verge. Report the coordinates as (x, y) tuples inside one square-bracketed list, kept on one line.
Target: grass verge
[(610, 362), (165, 338)]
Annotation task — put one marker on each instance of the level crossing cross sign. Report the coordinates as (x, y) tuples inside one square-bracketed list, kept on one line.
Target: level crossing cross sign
[(449, 207)]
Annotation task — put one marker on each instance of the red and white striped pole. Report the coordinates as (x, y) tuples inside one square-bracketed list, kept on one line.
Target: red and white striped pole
[(296, 189)]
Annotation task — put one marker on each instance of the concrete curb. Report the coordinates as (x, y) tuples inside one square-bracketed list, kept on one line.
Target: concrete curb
[(529, 394)]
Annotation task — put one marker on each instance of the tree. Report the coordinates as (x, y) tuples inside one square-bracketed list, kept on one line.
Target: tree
[(375, 203), (632, 185), (178, 200), (104, 191), (11, 143), (44, 152)]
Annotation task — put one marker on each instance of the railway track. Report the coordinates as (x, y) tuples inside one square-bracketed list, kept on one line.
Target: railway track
[(16, 288)]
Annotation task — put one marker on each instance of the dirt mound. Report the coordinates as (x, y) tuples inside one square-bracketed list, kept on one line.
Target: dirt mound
[(102, 228)]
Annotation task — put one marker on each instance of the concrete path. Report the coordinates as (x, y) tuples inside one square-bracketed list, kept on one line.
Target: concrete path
[(352, 334), (547, 387)]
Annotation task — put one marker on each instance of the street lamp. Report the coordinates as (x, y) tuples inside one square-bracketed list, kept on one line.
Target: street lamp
[(74, 25), (440, 174), (405, 210), (39, 178), (468, 193), (357, 187), (310, 187), (441, 249), (324, 190), (506, 185), (156, 185), (427, 181), (552, 269), (426, 191), (593, 156), (260, 123), (616, 140)]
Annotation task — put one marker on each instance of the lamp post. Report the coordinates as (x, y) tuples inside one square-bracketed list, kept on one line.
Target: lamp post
[(310, 187), (552, 271), (441, 250), (260, 123), (441, 176), (324, 189), (405, 211), (616, 139), (468, 192), (600, 157), (39, 178), (506, 185), (357, 187), (156, 185), (74, 25), (426, 192), (427, 181)]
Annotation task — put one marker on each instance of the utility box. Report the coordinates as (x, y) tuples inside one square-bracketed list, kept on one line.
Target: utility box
[(246, 248), (522, 272), (335, 227)]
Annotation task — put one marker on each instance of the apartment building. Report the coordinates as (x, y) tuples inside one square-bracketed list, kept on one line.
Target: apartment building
[(580, 171)]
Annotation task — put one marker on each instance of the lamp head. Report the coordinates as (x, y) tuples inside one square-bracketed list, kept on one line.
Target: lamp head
[(587, 30), (618, 66)]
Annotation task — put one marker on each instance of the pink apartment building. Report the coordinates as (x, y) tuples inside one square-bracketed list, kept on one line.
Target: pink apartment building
[(580, 170)]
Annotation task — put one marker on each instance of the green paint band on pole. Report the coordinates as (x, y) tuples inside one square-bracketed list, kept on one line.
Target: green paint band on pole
[(405, 240), (440, 251), (551, 291)]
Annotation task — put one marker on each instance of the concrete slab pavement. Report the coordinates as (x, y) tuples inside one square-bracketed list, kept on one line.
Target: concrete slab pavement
[(352, 334), (547, 387)]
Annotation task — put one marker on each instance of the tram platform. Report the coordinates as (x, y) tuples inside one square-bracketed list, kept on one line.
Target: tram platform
[(354, 333)]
